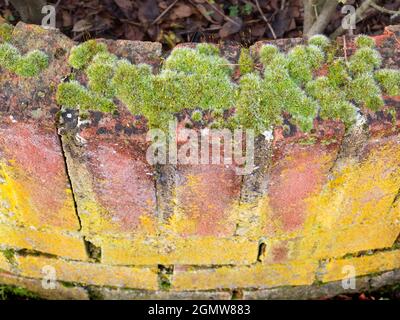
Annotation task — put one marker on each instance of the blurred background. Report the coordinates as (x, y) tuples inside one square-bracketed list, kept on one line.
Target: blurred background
[(174, 21)]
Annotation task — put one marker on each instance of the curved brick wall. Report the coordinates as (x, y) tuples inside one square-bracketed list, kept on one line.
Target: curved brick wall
[(82, 199)]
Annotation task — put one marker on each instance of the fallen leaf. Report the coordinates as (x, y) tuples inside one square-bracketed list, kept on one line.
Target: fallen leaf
[(124, 4), (181, 11), (82, 25), (148, 11), (231, 27)]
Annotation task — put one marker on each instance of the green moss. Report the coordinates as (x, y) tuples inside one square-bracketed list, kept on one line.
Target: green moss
[(302, 61), (29, 65), (9, 56), (6, 32), (364, 90), (246, 63), (267, 53), (197, 115), (9, 255), (332, 101), (207, 49), (200, 79), (364, 60), (389, 79), (363, 41), (82, 55), (100, 73), (254, 110), (74, 95), (320, 41), (8, 292)]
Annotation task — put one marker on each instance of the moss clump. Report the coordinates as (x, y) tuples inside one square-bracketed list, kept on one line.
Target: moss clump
[(74, 95), (253, 108), (320, 41), (29, 65), (200, 79), (207, 49), (16, 293), (197, 115), (100, 72), (302, 61), (365, 60), (83, 54), (9, 56), (332, 100), (6, 32), (267, 53), (389, 79), (364, 90), (246, 63), (363, 41)]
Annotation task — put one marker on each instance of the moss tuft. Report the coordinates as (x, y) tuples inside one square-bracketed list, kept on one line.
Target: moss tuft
[(246, 63), (29, 65), (82, 55), (364, 41), (364, 90), (9, 56), (364, 60), (100, 72), (197, 115), (267, 53), (320, 41), (6, 32), (207, 49), (74, 95), (389, 79)]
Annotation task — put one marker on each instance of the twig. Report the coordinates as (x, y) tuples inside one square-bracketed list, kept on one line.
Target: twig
[(345, 48), (164, 12), (324, 18), (384, 10), (265, 19)]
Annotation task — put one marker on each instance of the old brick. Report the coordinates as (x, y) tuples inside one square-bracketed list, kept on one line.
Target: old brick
[(256, 276), (56, 243), (378, 262), (60, 292), (89, 273)]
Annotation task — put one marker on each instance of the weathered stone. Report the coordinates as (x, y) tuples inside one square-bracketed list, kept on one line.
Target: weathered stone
[(256, 276), (60, 292), (55, 243), (88, 273), (34, 188), (126, 294), (379, 262)]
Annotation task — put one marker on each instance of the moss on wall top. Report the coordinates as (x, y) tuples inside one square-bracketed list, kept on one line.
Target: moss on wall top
[(200, 79), (28, 65)]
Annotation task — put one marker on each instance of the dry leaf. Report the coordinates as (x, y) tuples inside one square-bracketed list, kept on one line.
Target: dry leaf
[(82, 25), (231, 28), (124, 4), (181, 11)]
